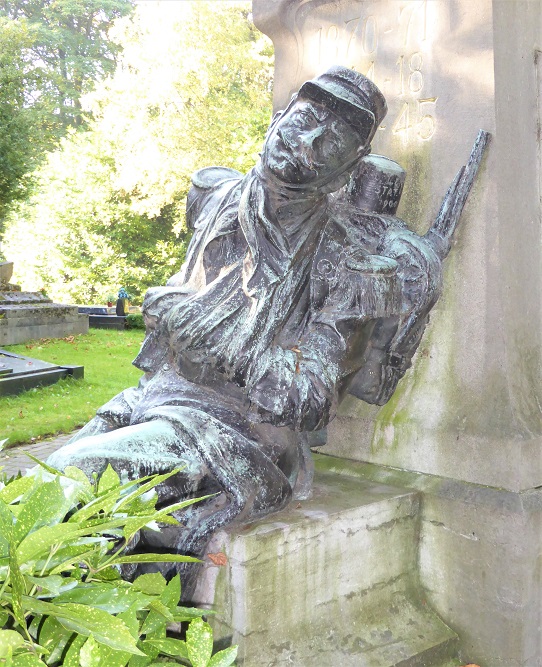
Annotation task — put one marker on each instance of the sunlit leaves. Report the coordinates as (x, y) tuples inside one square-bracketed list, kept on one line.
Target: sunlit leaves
[(9, 640), (62, 598), (193, 89), (199, 642), (50, 54)]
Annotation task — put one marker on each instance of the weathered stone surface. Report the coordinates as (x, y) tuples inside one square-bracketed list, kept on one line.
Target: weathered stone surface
[(332, 580), (6, 271), (19, 373), (14, 297), (479, 561), (19, 324), (31, 315), (470, 407)]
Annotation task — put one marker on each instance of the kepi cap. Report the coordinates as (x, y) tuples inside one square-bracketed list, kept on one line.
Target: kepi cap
[(352, 96)]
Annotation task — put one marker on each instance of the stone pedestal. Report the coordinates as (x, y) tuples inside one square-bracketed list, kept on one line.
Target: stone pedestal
[(469, 411), (31, 315), (479, 560), (329, 581)]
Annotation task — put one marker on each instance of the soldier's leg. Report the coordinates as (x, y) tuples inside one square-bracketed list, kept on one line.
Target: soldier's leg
[(247, 483), (134, 451)]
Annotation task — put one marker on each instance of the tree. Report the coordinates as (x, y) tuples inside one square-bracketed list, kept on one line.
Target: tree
[(70, 45), (51, 53), (193, 88), (21, 121)]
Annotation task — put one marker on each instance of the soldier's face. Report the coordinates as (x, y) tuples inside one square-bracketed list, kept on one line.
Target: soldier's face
[(308, 143)]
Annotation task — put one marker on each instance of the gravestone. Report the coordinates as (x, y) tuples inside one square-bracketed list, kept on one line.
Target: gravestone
[(31, 315), (465, 423), (20, 373)]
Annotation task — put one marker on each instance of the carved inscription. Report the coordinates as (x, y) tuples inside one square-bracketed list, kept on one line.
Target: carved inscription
[(365, 39)]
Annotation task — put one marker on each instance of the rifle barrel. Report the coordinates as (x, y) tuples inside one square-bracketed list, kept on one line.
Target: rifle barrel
[(453, 203)]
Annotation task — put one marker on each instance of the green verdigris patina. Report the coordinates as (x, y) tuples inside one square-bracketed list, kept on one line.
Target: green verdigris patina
[(300, 285)]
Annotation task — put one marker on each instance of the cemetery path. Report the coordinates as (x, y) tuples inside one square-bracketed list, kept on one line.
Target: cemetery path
[(13, 460)]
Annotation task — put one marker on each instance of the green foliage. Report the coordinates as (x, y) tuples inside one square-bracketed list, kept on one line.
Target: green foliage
[(71, 44), (51, 53), (62, 598), (23, 136), (135, 321), (193, 88), (61, 407)]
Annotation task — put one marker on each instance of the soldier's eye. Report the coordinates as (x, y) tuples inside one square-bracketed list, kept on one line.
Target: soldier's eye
[(309, 118), (319, 113)]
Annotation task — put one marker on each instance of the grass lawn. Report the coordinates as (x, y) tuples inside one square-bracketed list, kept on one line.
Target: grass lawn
[(61, 407)]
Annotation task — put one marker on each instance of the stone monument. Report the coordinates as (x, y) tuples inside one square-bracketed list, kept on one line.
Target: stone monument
[(300, 284), (464, 426), (28, 315)]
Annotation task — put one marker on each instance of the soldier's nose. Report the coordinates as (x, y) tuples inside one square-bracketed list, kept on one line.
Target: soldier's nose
[(308, 138)]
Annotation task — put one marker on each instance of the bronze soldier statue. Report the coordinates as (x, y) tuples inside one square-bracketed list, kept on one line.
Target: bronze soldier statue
[(299, 285)]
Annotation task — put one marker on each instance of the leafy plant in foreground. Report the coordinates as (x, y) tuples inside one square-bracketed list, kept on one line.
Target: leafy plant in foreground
[(62, 598)]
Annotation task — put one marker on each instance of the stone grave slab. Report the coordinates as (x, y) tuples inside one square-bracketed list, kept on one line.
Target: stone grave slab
[(19, 373), (97, 310)]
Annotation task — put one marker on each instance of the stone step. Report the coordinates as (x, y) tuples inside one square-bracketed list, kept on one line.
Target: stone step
[(32, 309), (12, 296), (329, 581)]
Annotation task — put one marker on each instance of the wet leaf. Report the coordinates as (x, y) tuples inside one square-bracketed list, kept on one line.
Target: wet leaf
[(218, 559)]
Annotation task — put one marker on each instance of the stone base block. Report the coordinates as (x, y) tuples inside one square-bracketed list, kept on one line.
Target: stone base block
[(18, 330), (480, 561), (330, 581)]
